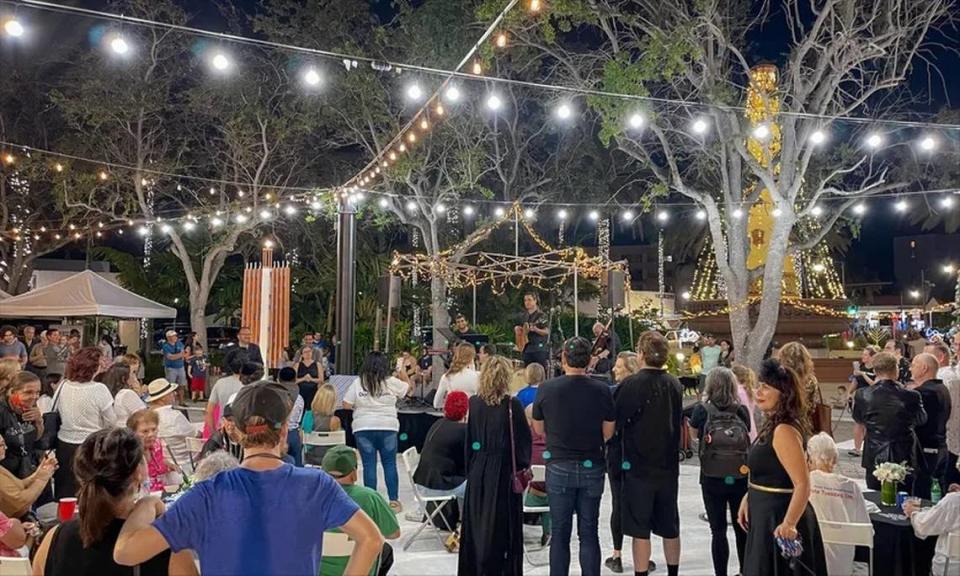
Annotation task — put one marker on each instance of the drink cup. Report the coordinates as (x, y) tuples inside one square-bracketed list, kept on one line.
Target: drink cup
[(856, 366), (66, 508), (901, 498)]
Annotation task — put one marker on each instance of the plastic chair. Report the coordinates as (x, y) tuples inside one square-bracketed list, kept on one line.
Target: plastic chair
[(195, 446), (322, 439), (539, 475), (953, 550), (410, 460), (15, 567), (848, 534), (339, 545)]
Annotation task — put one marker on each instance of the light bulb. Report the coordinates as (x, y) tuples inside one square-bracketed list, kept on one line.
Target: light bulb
[(628, 215), (414, 92), (529, 213), (818, 137), (143, 230), (494, 102), (384, 203), (58, 167), (901, 206), (947, 202), (761, 132), (290, 210), (502, 40), (411, 205), (241, 218), (663, 216), (13, 27), (564, 112), (594, 215), (312, 77), (215, 222), (636, 121), (499, 212), (411, 137), (928, 144), (220, 61), (119, 45), (452, 94), (949, 269), (188, 225), (468, 210), (562, 214), (776, 213), (874, 140), (424, 125), (737, 213), (859, 208), (265, 214), (699, 126), (685, 295), (818, 267), (477, 68), (440, 208), (534, 5), (268, 243), (701, 214), (438, 110), (816, 211), (914, 294), (104, 175), (166, 229)]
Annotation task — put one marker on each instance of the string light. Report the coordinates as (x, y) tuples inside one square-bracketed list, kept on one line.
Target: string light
[(424, 125), (701, 215), (189, 226), (594, 215), (502, 40), (290, 210), (241, 218), (699, 126), (946, 202), (452, 94), (628, 215), (499, 212), (818, 137), (384, 203), (468, 210), (402, 147), (265, 214), (477, 69), (534, 5), (663, 216), (411, 206), (737, 213), (529, 213), (776, 213), (636, 121), (818, 267), (166, 229), (562, 214), (874, 140), (220, 62), (119, 46), (104, 175), (928, 143), (860, 208), (58, 167), (439, 111), (685, 295), (13, 27), (816, 211), (8, 158), (494, 102), (414, 92), (901, 206), (761, 132), (311, 77), (564, 111)]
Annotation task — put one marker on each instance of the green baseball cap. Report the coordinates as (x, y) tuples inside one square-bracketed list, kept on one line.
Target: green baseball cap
[(339, 461)]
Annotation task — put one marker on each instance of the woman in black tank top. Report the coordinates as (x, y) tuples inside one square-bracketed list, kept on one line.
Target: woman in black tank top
[(778, 487), (108, 468)]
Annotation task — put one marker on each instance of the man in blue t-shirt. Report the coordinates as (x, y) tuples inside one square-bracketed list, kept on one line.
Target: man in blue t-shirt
[(173, 360), (266, 517)]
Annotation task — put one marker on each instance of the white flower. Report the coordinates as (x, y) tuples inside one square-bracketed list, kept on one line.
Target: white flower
[(891, 472)]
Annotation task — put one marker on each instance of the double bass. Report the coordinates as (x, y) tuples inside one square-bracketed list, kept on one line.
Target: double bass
[(600, 344)]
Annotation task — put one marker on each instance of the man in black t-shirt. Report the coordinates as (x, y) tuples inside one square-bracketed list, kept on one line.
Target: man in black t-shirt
[(576, 413), (648, 410), (537, 326)]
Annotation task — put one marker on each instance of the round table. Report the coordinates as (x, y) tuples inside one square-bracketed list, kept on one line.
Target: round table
[(896, 549), (414, 425)]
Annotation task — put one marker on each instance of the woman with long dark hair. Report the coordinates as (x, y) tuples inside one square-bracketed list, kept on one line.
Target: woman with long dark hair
[(373, 398), (776, 506), (125, 389), (85, 406), (109, 471), (492, 537)]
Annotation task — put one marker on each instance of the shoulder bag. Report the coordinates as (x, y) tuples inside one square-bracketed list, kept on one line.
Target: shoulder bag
[(821, 415), (52, 421), (520, 479)]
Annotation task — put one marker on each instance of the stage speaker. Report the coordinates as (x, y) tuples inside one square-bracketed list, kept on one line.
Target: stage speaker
[(616, 297), (388, 292)]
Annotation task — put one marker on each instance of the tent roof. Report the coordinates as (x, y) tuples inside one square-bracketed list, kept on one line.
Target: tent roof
[(83, 294)]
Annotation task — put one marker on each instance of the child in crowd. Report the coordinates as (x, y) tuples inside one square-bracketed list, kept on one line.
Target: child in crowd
[(197, 367)]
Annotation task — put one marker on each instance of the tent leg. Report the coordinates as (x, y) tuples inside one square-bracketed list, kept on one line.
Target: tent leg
[(576, 302)]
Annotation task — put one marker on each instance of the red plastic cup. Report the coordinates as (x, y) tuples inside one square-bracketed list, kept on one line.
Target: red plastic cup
[(66, 508)]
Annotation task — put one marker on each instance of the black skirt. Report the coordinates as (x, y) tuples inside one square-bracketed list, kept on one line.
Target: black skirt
[(762, 556), (64, 482)]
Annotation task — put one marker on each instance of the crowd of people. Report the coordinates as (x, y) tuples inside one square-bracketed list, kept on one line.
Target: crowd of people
[(94, 432)]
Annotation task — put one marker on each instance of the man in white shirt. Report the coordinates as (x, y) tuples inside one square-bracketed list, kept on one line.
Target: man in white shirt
[(174, 428), (950, 375), (940, 520)]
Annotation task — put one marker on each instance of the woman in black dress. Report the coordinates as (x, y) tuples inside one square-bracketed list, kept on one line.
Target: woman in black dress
[(309, 375), (777, 500), (492, 538), (109, 470)]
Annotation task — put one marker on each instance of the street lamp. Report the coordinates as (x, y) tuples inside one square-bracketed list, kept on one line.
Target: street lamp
[(914, 294)]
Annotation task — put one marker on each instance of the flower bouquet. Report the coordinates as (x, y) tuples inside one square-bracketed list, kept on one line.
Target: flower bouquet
[(890, 474)]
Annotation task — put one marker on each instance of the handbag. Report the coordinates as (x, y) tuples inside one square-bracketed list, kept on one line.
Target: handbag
[(520, 479), (822, 415), (51, 422)]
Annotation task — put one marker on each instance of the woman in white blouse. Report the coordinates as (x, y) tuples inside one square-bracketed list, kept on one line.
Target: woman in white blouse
[(373, 398), (125, 388), (85, 406), (461, 375)]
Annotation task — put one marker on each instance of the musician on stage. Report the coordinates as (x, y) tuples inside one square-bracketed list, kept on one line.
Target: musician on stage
[(605, 348), (460, 325), (535, 329)]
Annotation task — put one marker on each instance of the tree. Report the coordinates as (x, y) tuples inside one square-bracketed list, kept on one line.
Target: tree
[(249, 132), (844, 58)]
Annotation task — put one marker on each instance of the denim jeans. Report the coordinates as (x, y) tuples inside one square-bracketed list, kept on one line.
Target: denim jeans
[(369, 443), (572, 487), (295, 447)]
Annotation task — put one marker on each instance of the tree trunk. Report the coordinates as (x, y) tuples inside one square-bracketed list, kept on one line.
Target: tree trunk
[(441, 317), (198, 309)]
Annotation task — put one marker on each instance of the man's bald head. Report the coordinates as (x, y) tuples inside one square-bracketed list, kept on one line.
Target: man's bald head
[(939, 351), (924, 367)]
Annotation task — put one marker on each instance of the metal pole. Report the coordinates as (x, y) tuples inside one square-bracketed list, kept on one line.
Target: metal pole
[(386, 346), (346, 284), (474, 322), (516, 231), (576, 302)]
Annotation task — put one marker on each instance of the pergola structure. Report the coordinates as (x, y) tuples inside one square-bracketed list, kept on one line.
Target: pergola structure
[(545, 270)]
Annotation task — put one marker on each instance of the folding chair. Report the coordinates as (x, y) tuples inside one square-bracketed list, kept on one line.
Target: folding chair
[(953, 550), (849, 534), (195, 446), (322, 439), (15, 567), (539, 475), (410, 460), (339, 545)]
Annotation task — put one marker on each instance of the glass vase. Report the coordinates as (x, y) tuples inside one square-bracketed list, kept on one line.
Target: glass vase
[(888, 493)]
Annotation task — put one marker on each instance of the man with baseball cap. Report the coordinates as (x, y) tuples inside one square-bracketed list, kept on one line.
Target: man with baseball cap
[(174, 355), (266, 517), (341, 463)]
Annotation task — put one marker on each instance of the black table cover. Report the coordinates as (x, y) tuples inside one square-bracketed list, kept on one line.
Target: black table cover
[(414, 425), (897, 551)]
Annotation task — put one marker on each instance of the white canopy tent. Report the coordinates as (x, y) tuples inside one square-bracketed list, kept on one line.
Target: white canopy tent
[(83, 294)]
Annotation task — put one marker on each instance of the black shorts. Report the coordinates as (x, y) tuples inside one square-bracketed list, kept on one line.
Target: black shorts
[(649, 504)]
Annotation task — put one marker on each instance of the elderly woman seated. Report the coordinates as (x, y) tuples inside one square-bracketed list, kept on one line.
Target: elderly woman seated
[(442, 470), (941, 520), (215, 463), (834, 498)]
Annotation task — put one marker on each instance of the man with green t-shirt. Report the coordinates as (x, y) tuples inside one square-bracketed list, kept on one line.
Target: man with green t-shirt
[(341, 463)]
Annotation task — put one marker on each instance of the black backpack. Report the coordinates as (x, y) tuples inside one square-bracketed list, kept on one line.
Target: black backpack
[(724, 445)]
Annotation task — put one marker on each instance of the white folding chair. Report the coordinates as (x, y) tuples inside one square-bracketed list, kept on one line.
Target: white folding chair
[(539, 475), (953, 550), (849, 534), (339, 545), (15, 567), (195, 446), (322, 439), (410, 460)]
